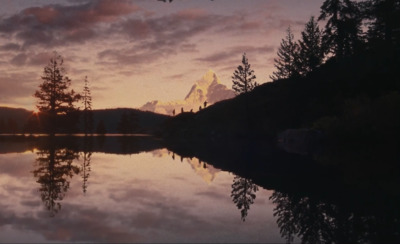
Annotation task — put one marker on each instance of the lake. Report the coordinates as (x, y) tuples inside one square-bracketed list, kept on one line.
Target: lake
[(136, 189), (55, 193)]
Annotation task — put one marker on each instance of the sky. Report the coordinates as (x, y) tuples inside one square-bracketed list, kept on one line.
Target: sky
[(137, 51)]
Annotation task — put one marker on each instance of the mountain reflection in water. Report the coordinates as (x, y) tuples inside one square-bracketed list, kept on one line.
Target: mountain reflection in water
[(310, 204)]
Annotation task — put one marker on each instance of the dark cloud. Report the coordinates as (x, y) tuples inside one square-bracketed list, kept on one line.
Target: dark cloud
[(32, 59), (176, 76), (235, 53), (55, 24), (132, 56), (160, 37), (10, 47)]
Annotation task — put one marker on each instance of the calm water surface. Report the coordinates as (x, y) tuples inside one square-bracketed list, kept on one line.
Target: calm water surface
[(64, 195)]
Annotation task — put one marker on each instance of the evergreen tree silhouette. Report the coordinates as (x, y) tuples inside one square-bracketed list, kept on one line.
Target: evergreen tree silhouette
[(243, 78), (87, 108), (286, 61), (342, 35), (243, 194), (55, 98), (384, 17), (311, 51)]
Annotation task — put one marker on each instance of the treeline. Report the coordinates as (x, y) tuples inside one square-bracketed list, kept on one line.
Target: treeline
[(62, 110), (352, 27), (341, 80), (103, 121)]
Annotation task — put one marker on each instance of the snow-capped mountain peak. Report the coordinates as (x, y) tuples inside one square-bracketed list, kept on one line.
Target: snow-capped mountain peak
[(209, 88)]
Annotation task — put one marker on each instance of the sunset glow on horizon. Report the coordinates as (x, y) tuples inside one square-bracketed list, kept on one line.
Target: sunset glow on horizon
[(134, 52)]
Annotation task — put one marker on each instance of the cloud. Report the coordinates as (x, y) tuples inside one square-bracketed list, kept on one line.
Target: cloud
[(32, 59), (10, 47), (16, 86), (235, 53), (54, 25)]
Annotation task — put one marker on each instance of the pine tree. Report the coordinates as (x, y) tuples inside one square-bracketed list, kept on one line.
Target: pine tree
[(87, 108), (55, 98), (311, 51), (243, 78), (384, 16), (286, 61), (342, 35)]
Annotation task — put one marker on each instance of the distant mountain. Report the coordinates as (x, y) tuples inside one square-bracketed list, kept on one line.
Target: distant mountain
[(356, 96), (148, 122), (208, 89), (14, 120)]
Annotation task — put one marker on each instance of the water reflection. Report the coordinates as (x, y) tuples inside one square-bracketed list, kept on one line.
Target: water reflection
[(318, 221), (85, 170), (53, 169), (147, 192), (87, 154), (243, 194)]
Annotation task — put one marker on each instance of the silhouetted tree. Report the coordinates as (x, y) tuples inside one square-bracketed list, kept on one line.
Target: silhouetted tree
[(53, 168), (243, 194), (87, 108), (286, 61), (243, 78), (385, 22), (101, 128), (342, 35), (55, 98), (311, 51)]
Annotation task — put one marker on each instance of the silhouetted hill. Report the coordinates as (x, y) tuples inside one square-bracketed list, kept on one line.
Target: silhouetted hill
[(148, 122), (360, 92), (13, 120)]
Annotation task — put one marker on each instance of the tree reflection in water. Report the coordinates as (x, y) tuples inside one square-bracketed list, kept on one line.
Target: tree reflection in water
[(243, 194), (85, 170), (53, 167), (87, 154), (315, 221)]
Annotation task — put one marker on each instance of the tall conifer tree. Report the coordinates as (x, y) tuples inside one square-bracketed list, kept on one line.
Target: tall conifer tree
[(54, 94), (285, 63), (87, 108), (311, 51), (243, 78)]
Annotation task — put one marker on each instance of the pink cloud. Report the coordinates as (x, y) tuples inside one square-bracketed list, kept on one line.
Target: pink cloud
[(44, 15), (191, 14)]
